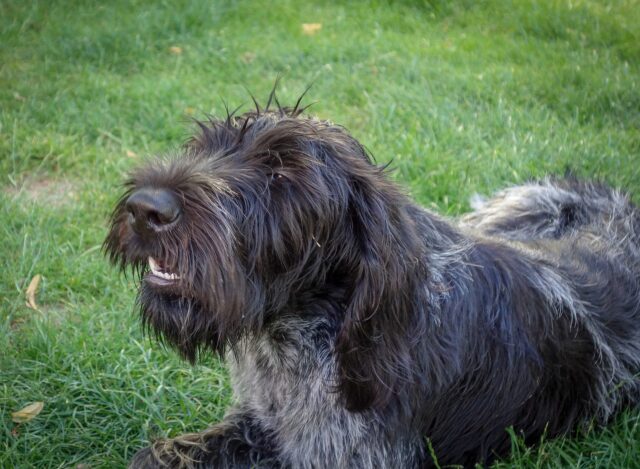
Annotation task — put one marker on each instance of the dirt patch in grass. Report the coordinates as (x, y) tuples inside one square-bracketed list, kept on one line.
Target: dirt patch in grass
[(45, 191)]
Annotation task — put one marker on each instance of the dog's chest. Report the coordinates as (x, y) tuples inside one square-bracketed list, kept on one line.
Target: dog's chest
[(286, 378), (287, 372)]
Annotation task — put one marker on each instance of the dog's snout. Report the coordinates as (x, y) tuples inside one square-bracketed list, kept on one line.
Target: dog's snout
[(152, 210)]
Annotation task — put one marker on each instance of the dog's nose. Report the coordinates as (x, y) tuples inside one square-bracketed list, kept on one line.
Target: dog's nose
[(152, 210)]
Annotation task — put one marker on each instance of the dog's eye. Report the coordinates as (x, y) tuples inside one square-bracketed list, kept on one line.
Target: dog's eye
[(277, 177)]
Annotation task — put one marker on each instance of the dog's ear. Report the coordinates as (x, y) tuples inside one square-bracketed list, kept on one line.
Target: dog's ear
[(374, 343)]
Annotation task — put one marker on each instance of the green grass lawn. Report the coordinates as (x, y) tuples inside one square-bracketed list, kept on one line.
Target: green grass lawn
[(464, 96)]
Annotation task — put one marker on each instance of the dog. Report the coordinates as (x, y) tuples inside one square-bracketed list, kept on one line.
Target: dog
[(362, 330)]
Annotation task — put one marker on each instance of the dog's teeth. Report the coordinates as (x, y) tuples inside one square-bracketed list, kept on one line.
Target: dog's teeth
[(155, 270)]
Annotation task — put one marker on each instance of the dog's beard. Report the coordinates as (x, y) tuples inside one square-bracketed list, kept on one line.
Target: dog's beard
[(194, 311), (178, 321)]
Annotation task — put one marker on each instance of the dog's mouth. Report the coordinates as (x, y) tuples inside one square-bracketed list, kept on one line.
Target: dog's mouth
[(160, 274)]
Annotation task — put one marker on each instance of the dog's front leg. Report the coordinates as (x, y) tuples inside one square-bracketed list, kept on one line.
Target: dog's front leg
[(236, 442)]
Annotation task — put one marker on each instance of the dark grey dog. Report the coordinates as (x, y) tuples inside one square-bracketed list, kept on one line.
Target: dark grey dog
[(363, 331)]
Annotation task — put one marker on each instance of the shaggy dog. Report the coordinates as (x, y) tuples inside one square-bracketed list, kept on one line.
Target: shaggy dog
[(361, 330)]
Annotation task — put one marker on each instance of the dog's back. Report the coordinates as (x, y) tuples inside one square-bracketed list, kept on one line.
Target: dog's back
[(559, 208), (590, 234)]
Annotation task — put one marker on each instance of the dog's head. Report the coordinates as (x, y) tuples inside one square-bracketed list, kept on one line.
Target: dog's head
[(256, 209)]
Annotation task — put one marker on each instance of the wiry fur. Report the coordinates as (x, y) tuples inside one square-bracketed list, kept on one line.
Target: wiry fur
[(358, 326)]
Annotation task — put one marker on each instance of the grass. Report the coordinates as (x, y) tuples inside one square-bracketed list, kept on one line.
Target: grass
[(464, 96)]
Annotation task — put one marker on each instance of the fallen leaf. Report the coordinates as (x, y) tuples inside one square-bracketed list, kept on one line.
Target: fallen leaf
[(28, 413), (131, 154), (248, 57), (311, 28), (31, 292), (18, 97), (189, 111), (175, 50)]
